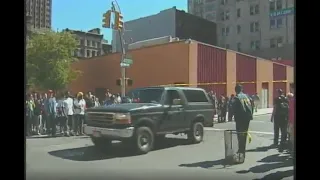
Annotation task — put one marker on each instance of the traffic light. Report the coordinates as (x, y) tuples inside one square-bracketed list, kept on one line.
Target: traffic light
[(118, 82), (106, 19), (118, 21), (129, 82)]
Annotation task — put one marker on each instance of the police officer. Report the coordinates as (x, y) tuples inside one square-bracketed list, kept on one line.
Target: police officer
[(242, 109), (280, 119)]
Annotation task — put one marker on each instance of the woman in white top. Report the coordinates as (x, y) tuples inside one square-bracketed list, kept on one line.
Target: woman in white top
[(79, 106)]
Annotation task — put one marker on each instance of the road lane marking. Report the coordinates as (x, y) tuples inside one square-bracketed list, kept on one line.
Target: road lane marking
[(253, 132)]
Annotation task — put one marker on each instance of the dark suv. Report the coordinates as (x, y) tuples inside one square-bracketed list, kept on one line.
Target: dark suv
[(156, 111)]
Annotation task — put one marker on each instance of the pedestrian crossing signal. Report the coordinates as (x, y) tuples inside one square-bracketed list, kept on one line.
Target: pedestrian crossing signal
[(129, 82)]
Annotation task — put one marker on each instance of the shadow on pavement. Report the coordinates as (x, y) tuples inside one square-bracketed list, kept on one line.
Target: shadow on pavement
[(262, 149), (41, 137), (278, 175), (90, 153), (205, 164), (270, 162)]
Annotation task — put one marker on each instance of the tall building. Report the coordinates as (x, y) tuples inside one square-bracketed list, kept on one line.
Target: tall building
[(38, 13), (90, 43), (263, 28), (169, 22)]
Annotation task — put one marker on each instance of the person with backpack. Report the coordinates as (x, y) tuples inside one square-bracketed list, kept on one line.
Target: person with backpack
[(243, 114), (280, 119)]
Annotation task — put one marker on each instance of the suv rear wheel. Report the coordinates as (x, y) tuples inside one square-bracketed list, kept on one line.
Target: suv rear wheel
[(102, 143), (195, 135), (144, 140)]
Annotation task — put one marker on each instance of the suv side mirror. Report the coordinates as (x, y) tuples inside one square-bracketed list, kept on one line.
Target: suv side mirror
[(176, 102)]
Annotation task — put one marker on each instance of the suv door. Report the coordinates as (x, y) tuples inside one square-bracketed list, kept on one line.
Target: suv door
[(173, 114)]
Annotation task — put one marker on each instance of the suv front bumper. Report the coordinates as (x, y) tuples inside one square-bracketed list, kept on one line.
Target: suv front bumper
[(107, 132)]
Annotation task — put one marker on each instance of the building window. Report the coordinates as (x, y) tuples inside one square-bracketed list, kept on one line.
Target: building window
[(276, 42), (272, 23), (279, 23), (88, 53), (276, 23), (254, 27), (223, 2), (81, 42), (279, 4), (222, 16), (255, 45), (254, 9), (272, 6), (273, 43), (82, 53), (94, 53), (279, 41), (98, 45), (257, 26), (238, 29), (227, 15), (251, 10), (239, 47), (227, 46), (238, 12), (223, 31), (227, 31)]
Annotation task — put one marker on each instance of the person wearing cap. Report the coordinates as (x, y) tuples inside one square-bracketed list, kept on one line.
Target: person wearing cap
[(243, 114), (279, 118)]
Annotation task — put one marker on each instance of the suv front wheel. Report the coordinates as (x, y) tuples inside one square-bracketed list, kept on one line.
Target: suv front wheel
[(196, 132), (144, 140)]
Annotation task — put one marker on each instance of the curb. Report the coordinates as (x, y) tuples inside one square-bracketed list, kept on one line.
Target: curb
[(216, 117)]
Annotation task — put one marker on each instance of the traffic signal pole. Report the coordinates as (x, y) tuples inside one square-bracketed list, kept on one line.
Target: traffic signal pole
[(119, 25)]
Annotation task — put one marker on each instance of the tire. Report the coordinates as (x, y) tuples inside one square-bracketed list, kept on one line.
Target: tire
[(102, 143), (195, 135), (144, 140)]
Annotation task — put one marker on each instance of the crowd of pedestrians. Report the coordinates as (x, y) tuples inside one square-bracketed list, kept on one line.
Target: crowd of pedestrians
[(61, 113), (223, 105)]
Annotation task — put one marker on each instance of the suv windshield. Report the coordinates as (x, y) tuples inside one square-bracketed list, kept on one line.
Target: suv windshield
[(151, 95)]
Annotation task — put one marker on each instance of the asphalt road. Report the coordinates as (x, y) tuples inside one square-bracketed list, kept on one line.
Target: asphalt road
[(75, 157)]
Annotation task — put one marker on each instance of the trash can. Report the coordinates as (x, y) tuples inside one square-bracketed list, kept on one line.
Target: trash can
[(231, 145), (232, 156)]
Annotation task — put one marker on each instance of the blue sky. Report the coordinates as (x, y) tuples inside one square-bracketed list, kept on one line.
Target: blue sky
[(87, 14)]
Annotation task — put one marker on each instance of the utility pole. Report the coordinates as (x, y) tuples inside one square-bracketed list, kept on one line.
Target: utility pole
[(118, 26)]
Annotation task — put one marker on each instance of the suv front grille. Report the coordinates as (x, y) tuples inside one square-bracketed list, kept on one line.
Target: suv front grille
[(101, 118)]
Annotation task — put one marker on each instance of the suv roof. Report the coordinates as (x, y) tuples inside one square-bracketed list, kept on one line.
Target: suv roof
[(170, 87)]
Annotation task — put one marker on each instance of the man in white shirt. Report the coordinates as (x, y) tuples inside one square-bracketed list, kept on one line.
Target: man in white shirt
[(69, 102), (80, 106)]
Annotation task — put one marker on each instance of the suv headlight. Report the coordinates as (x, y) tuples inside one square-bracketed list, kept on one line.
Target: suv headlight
[(123, 118)]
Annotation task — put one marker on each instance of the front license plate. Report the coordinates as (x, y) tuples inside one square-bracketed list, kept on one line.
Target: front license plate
[(96, 134)]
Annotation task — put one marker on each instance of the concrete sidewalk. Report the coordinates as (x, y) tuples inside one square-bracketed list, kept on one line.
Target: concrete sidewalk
[(258, 113)]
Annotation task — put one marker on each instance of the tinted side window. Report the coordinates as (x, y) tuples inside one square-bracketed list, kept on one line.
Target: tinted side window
[(171, 95), (195, 96)]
